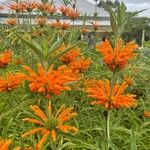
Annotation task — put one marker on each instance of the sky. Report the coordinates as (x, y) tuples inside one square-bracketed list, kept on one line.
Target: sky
[(132, 5)]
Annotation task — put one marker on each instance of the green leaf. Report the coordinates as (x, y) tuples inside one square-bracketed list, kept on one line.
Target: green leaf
[(133, 141), (34, 46), (53, 48)]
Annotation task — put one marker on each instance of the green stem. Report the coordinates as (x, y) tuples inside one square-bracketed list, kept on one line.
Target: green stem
[(10, 99), (30, 25), (108, 129), (108, 112), (53, 146)]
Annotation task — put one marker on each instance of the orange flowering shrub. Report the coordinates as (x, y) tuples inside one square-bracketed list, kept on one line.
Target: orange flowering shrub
[(46, 8), (17, 7), (30, 6), (41, 21), (95, 25), (128, 80), (84, 30), (101, 91), (1, 7), (35, 33), (117, 58), (147, 114), (80, 65), (49, 124), (5, 144), (11, 21), (73, 14), (59, 25), (64, 10), (10, 82), (5, 58), (69, 56), (51, 82)]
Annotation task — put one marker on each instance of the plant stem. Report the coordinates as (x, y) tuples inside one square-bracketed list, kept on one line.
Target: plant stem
[(10, 99), (108, 129), (53, 146), (108, 111), (30, 24)]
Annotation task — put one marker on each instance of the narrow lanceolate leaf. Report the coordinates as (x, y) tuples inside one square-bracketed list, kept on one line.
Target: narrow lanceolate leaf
[(113, 18), (80, 144), (121, 13), (34, 46), (62, 53), (133, 141), (53, 48)]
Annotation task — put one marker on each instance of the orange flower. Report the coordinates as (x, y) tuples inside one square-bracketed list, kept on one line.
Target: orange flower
[(49, 124), (30, 6), (69, 56), (80, 65), (11, 21), (4, 145), (51, 82), (64, 10), (128, 80), (60, 25), (118, 57), (17, 7), (101, 91), (147, 114), (1, 7), (95, 25), (84, 30), (46, 8), (10, 82), (41, 21), (35, 34), (73, 14), (5, 58)]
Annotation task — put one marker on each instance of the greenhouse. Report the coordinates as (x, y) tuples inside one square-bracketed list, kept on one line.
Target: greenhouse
[(74, 75)]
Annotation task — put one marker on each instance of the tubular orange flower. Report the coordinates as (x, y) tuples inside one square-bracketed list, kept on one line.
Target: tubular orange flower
[(5, 144), (41, 21), (73, 14), (50, 124), (80, 65), (17, 7), (1, 7), (10, 82), (100, 90), (46, 8), (30, 6), (128, 80), (35, 34), (11, 21), (60, 25), (118, 57), (95, 25), (5, 58), (147, 114), (84, 30), (64, 10), (51, 82), (69, 56)]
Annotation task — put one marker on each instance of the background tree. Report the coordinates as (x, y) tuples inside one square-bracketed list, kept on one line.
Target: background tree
[(138, 27)]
